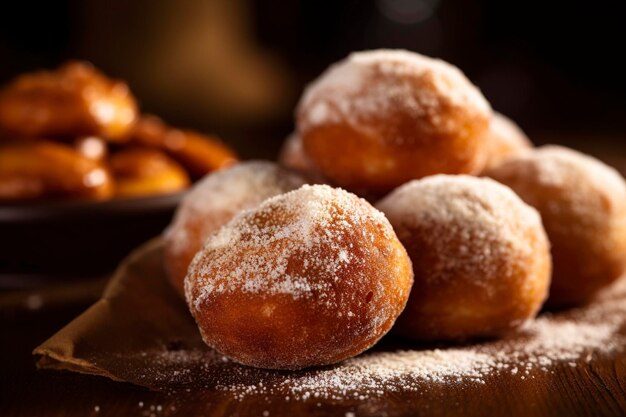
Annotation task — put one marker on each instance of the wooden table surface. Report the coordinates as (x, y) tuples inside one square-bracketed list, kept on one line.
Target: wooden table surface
[(30, 317), (26, 391)]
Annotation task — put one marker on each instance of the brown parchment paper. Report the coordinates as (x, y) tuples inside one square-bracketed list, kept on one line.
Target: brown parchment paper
[(141, 332), (137, 316)]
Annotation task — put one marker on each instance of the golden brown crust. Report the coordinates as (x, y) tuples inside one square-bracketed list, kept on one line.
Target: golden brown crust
[(293, 156), (199, 154), (382, 118), (504, 140), (74, 100), (214, 201), (50, 170), (142, 172), (583, 206), (480, 256), (308, 278)]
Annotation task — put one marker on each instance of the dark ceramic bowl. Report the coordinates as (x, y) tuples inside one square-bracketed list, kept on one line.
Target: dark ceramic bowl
[(75, 240)]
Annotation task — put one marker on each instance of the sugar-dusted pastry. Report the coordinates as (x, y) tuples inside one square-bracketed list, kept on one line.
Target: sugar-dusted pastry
[(504, 140), (293, 156), (583, 205), (480, 255), (307, 278), (213, 201), (381, 118)]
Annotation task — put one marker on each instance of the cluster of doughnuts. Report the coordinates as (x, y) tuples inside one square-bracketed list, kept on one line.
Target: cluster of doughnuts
[(214, 201), (283, 275), (305, 277), (583, 206), (75, 134)]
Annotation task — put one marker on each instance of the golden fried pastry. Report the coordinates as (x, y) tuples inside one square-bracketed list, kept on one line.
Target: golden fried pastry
[(505, 140), (293, 156), (583, 205), (72, 101), (200, 154), (142, 172), (381, 118), (480, 256), (212, 202), (51, 170), (307, 278), (92, 147)]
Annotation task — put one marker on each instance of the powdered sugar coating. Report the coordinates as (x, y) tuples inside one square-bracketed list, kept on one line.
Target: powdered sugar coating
[(293, 156), (480, 211), (216, 199), (480, 255), (588, 184), (381, 118), (373, 84), (583, 205), (572, 338), (317, 273), (505, 139)]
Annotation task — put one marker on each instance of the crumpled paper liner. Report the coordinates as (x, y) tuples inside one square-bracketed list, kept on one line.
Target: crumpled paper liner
[(141, 332), (138, 311)]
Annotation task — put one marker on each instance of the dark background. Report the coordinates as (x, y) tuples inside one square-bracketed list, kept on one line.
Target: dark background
[(237, 67)]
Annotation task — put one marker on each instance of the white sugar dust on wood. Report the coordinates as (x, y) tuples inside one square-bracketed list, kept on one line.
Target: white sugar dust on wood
[(573, 338)]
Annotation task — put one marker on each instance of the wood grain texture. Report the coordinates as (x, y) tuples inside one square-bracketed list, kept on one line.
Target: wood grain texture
[(592, 385), (596, 390)]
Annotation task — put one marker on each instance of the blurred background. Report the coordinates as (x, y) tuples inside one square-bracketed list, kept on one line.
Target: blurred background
[(237, 67)]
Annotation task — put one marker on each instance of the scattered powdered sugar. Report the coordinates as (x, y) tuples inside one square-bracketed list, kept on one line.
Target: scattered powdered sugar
[(505, 139), (559, 165), (293, 156), (586, 189), (380, 82), (220, 195), (488, 220), (508, 132), (571, 338), (254, 252), (315, 253)]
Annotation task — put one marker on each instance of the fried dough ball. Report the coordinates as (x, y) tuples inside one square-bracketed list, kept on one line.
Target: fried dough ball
[(214, 201), (381, 118), (200, 154), (308, 278), (141, 172), (293, 156), (480, 256), (583, 205), (51, 170), (505, 140), (74, 100)]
